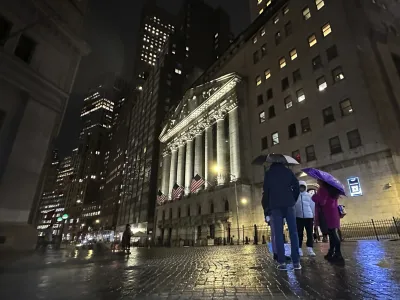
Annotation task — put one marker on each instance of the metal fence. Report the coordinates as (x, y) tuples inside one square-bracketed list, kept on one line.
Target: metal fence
[(261, 234)]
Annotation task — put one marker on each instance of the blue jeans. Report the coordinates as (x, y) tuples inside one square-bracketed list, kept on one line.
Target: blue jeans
[(277, 216)]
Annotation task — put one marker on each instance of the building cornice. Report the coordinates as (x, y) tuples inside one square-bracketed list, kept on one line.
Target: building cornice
[(202, 109)]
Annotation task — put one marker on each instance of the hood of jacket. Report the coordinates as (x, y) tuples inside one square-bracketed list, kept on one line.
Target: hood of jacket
[(303, 183)]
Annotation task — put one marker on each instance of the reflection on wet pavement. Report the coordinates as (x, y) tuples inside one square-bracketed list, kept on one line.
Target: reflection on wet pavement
[(231, 272)]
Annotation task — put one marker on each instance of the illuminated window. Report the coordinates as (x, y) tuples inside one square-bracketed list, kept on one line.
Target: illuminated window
[(288, 102), (321, 83), (346, 108), (267, 74), (258, 80), (300, 95), (261, 117), (259, 1), (320, 4), (269, 2), (261, 11), (275, 138), (337, 74), (254, 39), (276, 19), (177, 71), (262, 31), (306, 13), (326, 29), (285, 10), (293, 54), (312, 40), (282, 62)]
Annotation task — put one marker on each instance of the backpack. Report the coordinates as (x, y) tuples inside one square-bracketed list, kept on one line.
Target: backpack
[(342, 211)]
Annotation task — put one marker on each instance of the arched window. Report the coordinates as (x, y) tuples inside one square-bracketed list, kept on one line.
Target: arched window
[(226, 205), (199, 210), (211, 207)]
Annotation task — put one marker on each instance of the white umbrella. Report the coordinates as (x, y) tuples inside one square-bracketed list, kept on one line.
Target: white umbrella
[(275, 158)]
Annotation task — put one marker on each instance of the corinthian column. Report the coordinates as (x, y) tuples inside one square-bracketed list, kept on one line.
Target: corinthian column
[(165, 173), (189, 164), (234, 143), (199, 155), (172, 173), (180, 176), (221, 151), (209, 159)]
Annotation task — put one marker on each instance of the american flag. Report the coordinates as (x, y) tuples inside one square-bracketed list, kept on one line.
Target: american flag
[(161, 198), (177, 192), (196, 183)]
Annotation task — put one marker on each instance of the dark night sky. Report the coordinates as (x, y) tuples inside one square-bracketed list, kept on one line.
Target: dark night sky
[(111, 28)]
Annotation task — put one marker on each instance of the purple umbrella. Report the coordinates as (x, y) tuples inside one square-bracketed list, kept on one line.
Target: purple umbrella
[(325, 177)]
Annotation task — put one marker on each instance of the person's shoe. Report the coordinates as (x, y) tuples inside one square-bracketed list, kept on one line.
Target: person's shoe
[(300, 252), (281, 267), (328, 255), (336, 259), (297, 266), (310, 251)]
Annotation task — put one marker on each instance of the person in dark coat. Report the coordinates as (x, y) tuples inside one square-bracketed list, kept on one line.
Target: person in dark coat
[(126, 239), (281, 191)]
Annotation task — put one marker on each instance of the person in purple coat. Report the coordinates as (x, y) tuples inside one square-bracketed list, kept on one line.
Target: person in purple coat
[(327, 215)]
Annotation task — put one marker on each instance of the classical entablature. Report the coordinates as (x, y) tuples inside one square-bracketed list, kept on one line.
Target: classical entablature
[(200, 107)]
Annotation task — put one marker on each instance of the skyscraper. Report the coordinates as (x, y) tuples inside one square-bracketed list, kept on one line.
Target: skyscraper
[(191, 49), (92, 157), (156, 25), (41, 48)]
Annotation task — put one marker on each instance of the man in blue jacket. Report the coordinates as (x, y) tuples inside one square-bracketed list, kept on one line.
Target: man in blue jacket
[(281, 190)]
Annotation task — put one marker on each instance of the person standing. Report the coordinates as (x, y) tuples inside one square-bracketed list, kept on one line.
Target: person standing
[(326, 201), (281, 190), (126, 239), (305, 211)]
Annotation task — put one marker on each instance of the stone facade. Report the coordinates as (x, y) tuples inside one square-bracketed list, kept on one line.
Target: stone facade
[(324, 90), (39, 56)]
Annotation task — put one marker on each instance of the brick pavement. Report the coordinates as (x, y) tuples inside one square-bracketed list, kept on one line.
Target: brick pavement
[(226, 272)]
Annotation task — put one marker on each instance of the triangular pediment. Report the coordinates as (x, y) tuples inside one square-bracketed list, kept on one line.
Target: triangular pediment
[(195, 98)]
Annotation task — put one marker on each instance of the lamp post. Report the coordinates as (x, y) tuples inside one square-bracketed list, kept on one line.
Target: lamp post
[(234, 178)]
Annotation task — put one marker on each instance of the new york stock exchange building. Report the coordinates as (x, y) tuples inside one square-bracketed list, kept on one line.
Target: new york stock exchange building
[(205, 193)]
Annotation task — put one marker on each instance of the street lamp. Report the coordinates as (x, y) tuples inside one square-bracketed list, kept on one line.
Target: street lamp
[(218, 170)]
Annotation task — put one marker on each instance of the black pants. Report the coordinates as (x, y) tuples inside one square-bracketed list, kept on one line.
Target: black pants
[(306, 223), (334, 242)]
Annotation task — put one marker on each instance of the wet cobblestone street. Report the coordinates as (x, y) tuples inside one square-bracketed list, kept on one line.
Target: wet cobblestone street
[(226, 272)]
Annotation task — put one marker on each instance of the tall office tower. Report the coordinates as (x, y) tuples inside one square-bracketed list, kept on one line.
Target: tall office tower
[(117, 153), (189, 50), (155, 27), (40, 50), (52, 202), (297, 81), (85, 196)]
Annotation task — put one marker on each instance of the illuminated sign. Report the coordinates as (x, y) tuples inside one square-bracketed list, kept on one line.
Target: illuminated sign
[(354, 186)]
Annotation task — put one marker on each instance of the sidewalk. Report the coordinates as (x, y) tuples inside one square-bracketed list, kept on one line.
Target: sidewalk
[(224, 272)]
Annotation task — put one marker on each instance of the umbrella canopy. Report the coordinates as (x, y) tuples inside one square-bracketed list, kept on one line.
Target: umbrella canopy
[(275, 158), (325, 177)]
